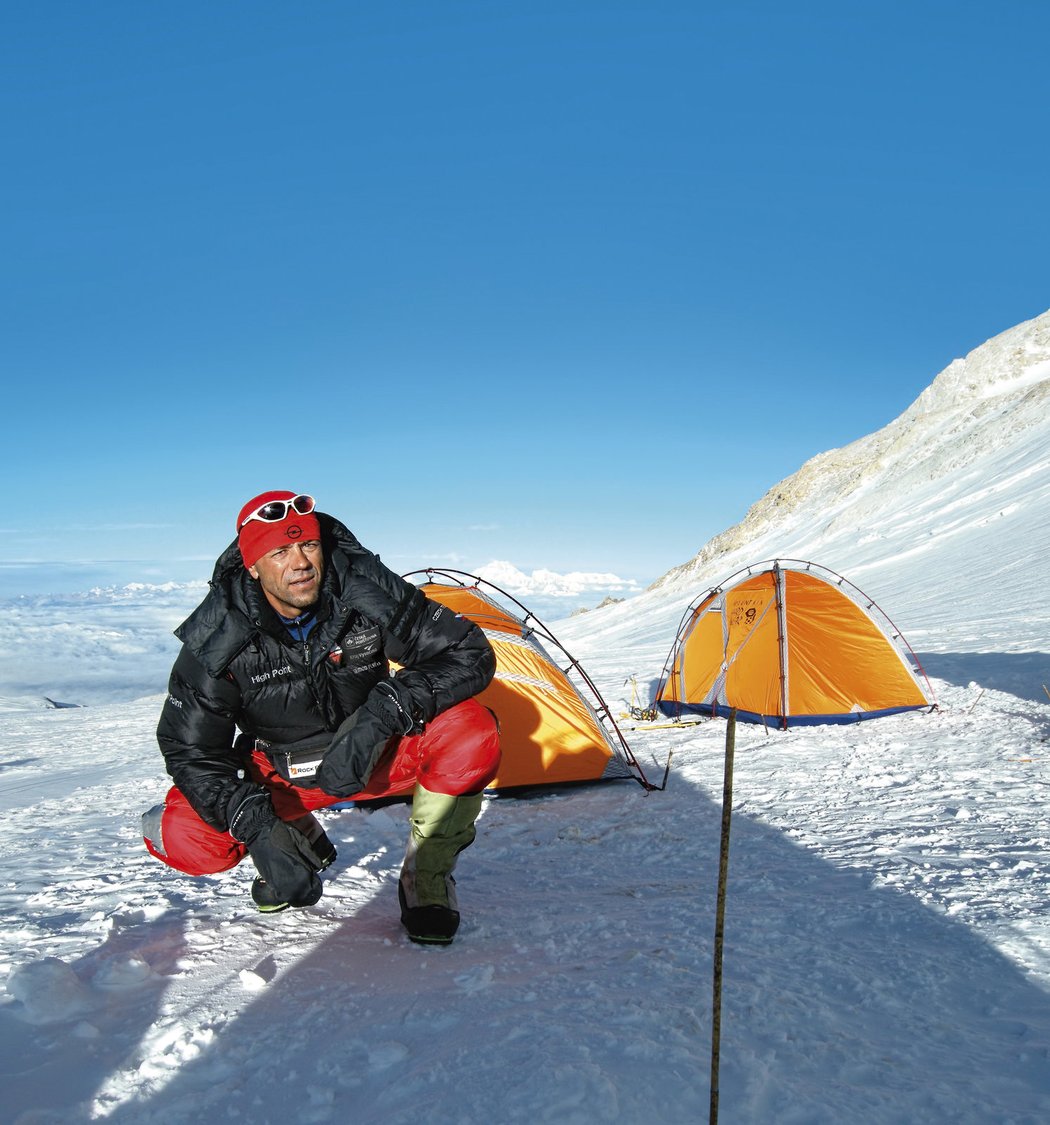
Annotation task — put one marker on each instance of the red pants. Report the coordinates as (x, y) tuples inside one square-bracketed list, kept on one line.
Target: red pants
[(458, 753)]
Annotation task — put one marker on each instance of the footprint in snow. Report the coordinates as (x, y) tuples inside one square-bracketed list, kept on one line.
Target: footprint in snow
[(477, 979), (384, 1055)]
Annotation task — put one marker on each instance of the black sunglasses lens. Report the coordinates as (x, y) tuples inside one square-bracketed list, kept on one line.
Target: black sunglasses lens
[(304, 505), (274, 511)]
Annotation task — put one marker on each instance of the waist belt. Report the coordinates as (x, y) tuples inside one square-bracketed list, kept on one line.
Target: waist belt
[(298, 762)]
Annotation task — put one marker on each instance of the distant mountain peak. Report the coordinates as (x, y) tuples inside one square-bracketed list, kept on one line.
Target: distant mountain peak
[(1014, 361), (548, 582), (977, 408)]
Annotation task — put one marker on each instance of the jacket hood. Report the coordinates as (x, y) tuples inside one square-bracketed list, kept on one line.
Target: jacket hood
[(234, 610)]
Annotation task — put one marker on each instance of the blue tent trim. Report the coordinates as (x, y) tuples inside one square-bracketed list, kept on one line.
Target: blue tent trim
[(675, 710)]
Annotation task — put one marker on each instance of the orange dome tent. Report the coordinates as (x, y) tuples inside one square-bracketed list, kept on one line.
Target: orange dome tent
[(790, 644), (554, 726)]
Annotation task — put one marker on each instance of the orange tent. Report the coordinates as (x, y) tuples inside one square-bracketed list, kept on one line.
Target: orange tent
[(790, 644), (554, 726)]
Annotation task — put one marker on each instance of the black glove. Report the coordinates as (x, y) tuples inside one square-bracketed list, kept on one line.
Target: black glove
[(358, 744), (281, 853)]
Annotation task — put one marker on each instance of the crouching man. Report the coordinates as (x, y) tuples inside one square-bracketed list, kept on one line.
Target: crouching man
[(281, 701)]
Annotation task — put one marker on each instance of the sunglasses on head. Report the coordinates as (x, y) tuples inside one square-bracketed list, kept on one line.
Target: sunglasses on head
[(275, 510)]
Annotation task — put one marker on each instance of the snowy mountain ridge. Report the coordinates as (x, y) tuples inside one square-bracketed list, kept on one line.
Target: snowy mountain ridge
[(981, 429)]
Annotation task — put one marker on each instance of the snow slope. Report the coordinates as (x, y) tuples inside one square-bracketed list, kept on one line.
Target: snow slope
[(887, 931), (961, 475)]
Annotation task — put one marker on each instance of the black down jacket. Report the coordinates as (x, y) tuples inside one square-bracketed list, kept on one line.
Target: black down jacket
[(241, 670)]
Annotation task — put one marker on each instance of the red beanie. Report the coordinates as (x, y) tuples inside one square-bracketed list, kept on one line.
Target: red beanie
[(257, 537)]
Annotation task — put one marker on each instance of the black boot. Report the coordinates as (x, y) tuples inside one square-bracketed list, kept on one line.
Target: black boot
[(429, 925)]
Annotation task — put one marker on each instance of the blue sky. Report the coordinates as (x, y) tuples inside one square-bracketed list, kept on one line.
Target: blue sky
[(565, 284)]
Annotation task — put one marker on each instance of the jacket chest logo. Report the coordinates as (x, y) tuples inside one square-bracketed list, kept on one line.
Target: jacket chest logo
[(359, 650), (271, 674)]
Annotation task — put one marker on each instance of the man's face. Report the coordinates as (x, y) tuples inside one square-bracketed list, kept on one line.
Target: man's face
[(290, 576)]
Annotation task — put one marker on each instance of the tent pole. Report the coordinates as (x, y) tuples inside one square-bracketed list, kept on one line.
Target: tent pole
[(720, 912)]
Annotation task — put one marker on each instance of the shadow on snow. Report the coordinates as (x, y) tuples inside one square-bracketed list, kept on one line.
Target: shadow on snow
[(580, 988), (1018, 673)]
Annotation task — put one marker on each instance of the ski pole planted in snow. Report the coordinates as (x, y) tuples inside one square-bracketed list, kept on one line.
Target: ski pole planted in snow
[(720, 913)]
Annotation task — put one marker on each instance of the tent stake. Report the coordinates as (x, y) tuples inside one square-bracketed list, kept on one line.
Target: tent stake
[(720, 913)]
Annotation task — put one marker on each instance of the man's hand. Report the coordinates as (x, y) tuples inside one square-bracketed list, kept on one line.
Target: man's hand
[(358, 744), (282, 854)]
